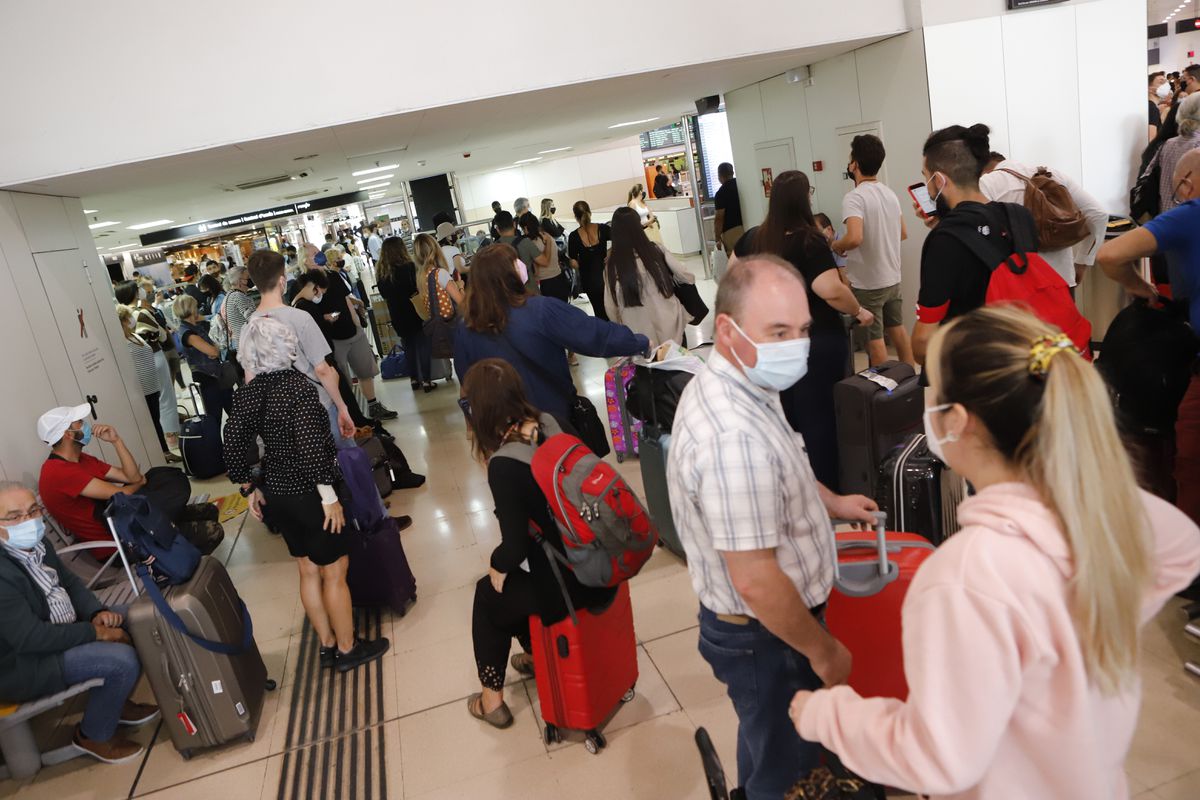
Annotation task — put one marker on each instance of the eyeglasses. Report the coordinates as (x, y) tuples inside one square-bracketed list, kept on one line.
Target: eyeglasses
[(1175, 195), (465, 405), (35, 510)]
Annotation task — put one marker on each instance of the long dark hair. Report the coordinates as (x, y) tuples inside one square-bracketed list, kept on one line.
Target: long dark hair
[(530, 227), (495, 288), (789, 213), (629, 242), (392, 256), (496, 396)]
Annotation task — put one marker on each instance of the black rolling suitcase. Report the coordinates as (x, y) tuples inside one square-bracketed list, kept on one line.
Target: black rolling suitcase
[(657, 391), (876, 410), (200, 440), (919, 493)]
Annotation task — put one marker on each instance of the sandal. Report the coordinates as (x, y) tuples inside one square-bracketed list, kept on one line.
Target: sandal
[(499, 718), (523, 663)]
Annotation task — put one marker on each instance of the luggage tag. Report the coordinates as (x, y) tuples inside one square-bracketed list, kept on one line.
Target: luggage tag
[(887, 384), (188, 725)]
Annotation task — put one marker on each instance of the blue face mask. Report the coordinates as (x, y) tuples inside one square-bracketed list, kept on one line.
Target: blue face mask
[(780, 364), (85, 433), (26, 535)]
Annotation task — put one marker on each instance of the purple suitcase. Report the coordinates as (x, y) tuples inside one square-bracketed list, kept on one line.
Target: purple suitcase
[(624, 427)]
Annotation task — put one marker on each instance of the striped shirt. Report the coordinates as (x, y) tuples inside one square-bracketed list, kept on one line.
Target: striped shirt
[(62, 611), (739, 479), (238, 308), (143, 365)]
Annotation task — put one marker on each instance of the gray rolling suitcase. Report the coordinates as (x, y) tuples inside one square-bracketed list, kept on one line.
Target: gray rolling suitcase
[(876, 410), (653, 458), (207, 698)]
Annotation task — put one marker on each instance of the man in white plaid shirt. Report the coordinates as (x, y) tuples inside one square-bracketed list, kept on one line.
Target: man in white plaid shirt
[(755, 523)]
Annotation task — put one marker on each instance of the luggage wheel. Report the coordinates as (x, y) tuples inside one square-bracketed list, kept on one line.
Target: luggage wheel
[(271, 684), (552, 734), (620, 457), (595, 742), (628, 696), (186, 754)]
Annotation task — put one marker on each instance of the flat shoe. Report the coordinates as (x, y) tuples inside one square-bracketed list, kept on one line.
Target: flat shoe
[(523, 664), (499, 718)]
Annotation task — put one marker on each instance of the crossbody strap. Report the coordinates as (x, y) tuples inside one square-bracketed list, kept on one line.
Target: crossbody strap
[(173, 619)]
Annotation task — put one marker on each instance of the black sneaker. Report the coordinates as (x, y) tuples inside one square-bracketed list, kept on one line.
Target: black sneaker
[(408, 480), (403, 522), (379, 411), (364, 652), (327, 656)]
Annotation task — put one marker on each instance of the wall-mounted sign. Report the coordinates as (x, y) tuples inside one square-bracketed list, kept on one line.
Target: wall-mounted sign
[(666, 136), (144, 258), (768, 179), (1015, 4), (214, 226)]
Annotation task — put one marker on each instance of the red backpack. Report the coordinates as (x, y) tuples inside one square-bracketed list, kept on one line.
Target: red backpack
[(606, 531), (1022, 276)]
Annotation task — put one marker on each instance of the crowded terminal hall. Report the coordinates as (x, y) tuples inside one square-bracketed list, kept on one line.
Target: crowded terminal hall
[(774, 405)]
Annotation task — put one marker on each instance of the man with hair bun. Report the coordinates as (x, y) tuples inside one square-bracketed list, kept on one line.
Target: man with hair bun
[(954, 280)]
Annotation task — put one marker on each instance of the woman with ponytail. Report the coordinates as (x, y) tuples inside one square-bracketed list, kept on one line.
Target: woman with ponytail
[(1021, 633)]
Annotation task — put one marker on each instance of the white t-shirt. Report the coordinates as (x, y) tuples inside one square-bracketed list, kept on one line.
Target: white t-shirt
[(450, 251), (874, 264)]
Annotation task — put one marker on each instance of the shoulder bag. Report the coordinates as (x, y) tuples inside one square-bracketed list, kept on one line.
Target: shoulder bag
[(440, 324), (581, 413)]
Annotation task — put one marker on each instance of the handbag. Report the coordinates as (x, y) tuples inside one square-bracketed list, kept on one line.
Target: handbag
[(581, 413), (1144, 200), (689, 297), (832, 781), (440, 325)]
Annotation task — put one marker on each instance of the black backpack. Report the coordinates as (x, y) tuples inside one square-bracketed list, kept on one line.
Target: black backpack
[(1147, 358)]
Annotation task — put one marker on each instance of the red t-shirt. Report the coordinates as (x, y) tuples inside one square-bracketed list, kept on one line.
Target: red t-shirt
[(61, 486)]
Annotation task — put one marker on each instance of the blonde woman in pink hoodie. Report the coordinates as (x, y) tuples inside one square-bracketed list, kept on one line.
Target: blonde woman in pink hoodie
[(1021, 632)]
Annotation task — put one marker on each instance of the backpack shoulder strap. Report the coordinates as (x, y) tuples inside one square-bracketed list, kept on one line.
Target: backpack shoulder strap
[(988, 253), (1021, 228)]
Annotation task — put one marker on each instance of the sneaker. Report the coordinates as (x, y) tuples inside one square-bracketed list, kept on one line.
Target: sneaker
[(363, 652), (379, 411), (326, 656), (171, 458), (403, 522), (115, 751), (134, 714)]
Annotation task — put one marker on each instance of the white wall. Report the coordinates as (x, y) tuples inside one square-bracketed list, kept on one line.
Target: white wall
[(1174, 48), (125, 81), (601, 178), (1038, 91), (885, 83)]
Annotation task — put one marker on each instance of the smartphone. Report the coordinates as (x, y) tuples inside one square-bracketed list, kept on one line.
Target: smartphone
[(920, 193), (336, 314)]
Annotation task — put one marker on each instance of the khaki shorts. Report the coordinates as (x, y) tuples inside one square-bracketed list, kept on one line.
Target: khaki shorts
[(355, 356), (887, 306)]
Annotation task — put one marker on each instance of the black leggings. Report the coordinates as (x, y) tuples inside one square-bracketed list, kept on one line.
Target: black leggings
[(593, 287), (496, 620), (809, 405), (152, 404), (559, 286)]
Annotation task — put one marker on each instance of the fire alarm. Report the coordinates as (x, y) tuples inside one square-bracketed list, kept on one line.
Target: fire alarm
[(818, 166), (466, 155)]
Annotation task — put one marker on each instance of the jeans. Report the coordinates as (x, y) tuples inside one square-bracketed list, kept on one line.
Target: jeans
[(168, 402), (761, 674), (339, 441), (118, 665)]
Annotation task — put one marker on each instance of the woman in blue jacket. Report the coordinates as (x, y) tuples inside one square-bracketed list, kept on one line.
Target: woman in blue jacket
[(533, 333)]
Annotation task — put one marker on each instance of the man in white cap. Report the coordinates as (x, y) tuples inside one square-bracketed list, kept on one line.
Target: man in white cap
[(447, 236), (72, 481)]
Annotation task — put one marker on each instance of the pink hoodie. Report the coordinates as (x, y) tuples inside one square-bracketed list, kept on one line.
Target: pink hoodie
[(1000, 705)]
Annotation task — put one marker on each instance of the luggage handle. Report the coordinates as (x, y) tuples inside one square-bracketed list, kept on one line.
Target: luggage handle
[(867, 578)]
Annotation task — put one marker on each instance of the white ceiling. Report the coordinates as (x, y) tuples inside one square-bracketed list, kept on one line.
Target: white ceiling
[(1159, 10), (196, 186)]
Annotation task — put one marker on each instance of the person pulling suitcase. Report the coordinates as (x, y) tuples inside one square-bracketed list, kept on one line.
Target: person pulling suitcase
[(294, 490)]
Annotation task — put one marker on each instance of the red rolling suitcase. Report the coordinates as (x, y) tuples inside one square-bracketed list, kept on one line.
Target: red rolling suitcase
[(585, 668), (871, 579)]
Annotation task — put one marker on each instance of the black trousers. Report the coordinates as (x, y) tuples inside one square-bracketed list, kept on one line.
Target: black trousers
[(559, 286), (152, 404), (495, 620), (809, 406)]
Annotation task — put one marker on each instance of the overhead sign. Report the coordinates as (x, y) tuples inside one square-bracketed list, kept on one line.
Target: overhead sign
[(213, 226), (1015, 4), (144, 258), (666, 136)]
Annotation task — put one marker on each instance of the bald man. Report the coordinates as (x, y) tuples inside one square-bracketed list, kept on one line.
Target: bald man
[(754, 521), (1177, 234)]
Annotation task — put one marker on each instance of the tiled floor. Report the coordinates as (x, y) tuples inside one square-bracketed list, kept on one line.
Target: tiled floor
[(432, 749)]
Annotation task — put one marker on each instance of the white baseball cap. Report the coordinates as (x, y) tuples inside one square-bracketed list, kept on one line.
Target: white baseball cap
[(54, 423)]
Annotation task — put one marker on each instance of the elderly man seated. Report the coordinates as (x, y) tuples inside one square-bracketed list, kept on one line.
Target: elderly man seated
[(55, 633), (76, 486)]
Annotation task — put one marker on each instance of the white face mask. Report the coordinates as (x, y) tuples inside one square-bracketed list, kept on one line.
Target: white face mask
[(780, 365), (935, 444), (522, 271), (141, 294), (317, 298), (1163, 91)]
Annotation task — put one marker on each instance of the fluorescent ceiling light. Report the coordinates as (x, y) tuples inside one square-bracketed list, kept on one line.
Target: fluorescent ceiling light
[(376, 196), (95, 225), (527, 160), (513, 166), (141, 226), (555, 150), (124, 246), (89, 211), (377, 178), (374, 186), (632, 122), (373, 169)]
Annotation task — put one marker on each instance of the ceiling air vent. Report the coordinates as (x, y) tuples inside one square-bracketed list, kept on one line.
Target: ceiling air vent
[(298, 195), (305, 158), (258, 184)]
